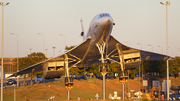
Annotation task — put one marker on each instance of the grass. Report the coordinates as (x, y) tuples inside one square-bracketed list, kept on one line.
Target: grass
[(11, 98), (85, 89), (143, 100)]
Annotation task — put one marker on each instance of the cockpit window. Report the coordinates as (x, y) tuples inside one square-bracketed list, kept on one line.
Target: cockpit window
[(103, 15)]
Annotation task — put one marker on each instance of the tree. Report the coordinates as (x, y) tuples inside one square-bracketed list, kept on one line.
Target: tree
[(113, 68), (157, 66), (94, 69), (174, 66), (30, 60), (162, 68), (74, 70), (37, 57), (77, 71), (132, 72)]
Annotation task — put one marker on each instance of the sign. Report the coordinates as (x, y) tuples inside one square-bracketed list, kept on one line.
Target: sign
[(145, 82), (164, 85), (156, 83)]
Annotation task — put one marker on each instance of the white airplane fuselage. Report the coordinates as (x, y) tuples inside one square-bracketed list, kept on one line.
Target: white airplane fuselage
[(100, 29)]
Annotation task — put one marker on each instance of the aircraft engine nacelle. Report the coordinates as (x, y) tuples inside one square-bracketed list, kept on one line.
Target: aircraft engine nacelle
[(82, 33), (53, 70), (132, 60)]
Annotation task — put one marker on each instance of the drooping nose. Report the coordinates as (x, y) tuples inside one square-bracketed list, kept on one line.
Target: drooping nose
[(105, 23)]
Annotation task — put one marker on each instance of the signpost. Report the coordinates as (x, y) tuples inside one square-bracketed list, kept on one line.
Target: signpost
[(68, 84), (123, 78)]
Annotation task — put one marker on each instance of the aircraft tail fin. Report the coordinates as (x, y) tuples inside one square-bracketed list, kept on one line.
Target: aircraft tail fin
[(82, 33)]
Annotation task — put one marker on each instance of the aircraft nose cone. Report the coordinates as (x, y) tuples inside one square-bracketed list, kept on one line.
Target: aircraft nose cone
[(105, 22), (108, 21)]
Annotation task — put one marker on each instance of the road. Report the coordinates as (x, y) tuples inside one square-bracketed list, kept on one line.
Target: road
[(21, 81)]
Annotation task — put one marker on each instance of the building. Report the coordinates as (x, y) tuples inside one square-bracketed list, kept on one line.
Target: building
[(9, 64)]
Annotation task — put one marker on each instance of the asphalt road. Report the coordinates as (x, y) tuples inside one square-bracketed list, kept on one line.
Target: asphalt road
[(21, 81)]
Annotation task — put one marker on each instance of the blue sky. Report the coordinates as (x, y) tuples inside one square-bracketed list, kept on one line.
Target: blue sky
[(137, 21)]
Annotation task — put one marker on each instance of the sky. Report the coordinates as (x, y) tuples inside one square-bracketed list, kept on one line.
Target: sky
[(137, 21)]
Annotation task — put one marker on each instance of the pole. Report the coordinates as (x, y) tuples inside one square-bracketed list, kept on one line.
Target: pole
[(30, 50), (167, 52), (2, 68), (128, 83), (54, 51), (17, 60), (104, 73), (104, 86), (68, 95), (161, 49), (167, 61), (17, 63), (10, 65), (167, 79), (43, 44), (14, 92), (46, 52), (142, 74), (65, 41), (139, 78), (122, 91), (139, 69)]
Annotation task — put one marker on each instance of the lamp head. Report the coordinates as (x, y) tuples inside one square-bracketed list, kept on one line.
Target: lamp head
[(7, 3), (162, 3), (167, 2), (1, 3)]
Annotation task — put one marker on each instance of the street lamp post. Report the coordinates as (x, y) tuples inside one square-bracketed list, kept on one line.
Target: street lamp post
[(128, 42), (14, 91), (151, 47), (43, 42), (65, 41), (139, 69), (59, 52), (167, 3), (178, 49), (128, 73), (30, 50), (2, 68), (140, 44), (10, 65), (17, 60), (54, 51), (161, 48), (46, 52), (171, 50)]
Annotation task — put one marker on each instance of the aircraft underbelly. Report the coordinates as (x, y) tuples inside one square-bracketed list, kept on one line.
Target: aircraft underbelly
[(92, 56), (53, 74)]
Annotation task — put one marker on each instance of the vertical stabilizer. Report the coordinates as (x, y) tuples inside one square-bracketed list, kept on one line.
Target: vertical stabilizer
[(82, 33)]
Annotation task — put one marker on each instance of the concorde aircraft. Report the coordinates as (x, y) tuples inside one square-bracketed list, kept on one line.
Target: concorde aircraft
[(98, 46)]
